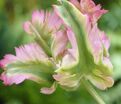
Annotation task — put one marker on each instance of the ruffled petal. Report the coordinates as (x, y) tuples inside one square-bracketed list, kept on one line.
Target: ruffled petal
[(100, 80), (89, 8), (46, 22), (7, 60), (38, 18), (30, 63), (53, 21), (87, 5), (67, 80), (31, 30), (42, 28), (31, 52), (97, 14), (76, 3), (9, 79)]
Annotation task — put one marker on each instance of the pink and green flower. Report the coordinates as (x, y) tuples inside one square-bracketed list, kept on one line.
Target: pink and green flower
[(62, 56)]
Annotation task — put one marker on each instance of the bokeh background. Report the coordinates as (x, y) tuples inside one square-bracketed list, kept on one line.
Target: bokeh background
[(13, 13)]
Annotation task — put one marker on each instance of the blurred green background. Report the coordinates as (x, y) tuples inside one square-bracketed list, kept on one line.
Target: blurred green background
[(13, 13)]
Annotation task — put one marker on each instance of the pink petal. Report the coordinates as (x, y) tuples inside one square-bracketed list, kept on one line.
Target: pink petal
[(28, 28), (89, 8), (109, 67), (102, 86), (72, 39), (100, 80), (60, 42), (105, 40), (98, 13), (87, 4), (42, 23), (30, 52), (68, 61), (93, 11), (50, 90), (76, 3), (53, 21), (14, 78), (95, 43), (37, 17), (70, 55), (67, 80), (7, 59), (9, 79)]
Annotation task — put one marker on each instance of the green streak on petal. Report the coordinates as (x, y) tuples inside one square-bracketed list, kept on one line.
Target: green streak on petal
[(40, 71), (77, 21), (105, 53), (43, 45), (105, 69), (39, 66), (45, 78)]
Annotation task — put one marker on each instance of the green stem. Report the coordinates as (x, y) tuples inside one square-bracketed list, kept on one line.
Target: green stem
[(92, 91)]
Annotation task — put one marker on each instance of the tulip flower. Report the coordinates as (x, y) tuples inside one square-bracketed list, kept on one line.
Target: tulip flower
[(68, 56)]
